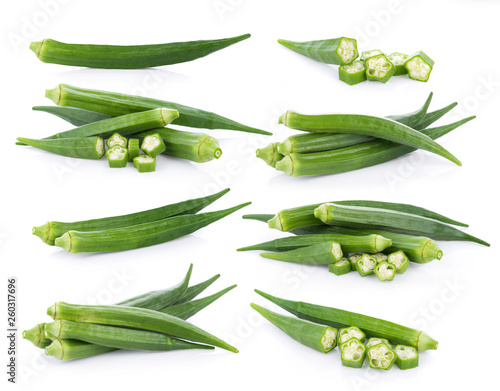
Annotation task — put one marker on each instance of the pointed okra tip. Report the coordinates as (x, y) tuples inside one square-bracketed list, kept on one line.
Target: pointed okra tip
[(42, 231), (54, 94), (52, 311), (64, 241), (55, 349)]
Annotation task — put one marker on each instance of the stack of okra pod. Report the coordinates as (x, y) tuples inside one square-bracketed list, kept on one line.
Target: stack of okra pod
[(370, 237), (336, 143), (323, 328), (135, 230), (153, 321)]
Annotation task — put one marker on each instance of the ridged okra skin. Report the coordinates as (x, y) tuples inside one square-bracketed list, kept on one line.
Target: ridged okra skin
[(145, 163), (269, 154), (322, 253), (341, 267), (71, 349), (353, 74), (319, 142), (81, 148), (338, 51), (130, 56), (133, 149)]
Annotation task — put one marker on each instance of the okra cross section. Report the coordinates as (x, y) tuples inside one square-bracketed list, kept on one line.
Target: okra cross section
[(379, 68), (117, 156), (399, 260), (385, 271), (366, 265), (116, 139), (369, 53), (153, 145), (145, 163), (346, 333), (407, 357), (399, 59), (352, 353), (375, 341), (354, 73), (341, 267), (381, 356), (419, 66)]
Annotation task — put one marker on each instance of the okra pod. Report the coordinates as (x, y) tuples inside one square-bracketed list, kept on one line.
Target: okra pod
[(319, 142), (193, 291), (381, 356), (117, 156), (413, 118), (366, 265), (116, 139), (133, 149), (153, 145), (116, 104), (375, 341), (258, 217), (432, 117), (419, 66), (69, 349), (371, 326), (385, 271), (399, 59), (339, 51), (341, 267), (352, 353), (269, 154), (142, 235), (73, 115), (138, 318), (399, 260), (322, 253), (366, 125), (81, 148), (406, 357), (346, 333), (36, 335), (379, 68), (353, 73), (48, 232), (145, 163)]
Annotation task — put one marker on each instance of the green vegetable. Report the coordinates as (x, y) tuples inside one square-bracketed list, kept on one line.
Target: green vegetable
[(379, 68), (372, 327), (82, 148), (269, 154), (349, 243), (339, 51), (318, 337), (432, 117), (415, 117), (49, 231), (153, 145), (366, 265), (70, 349), (36, 336), (346, 333), (116, 139), (406, 357), (352, 353), (369, 53), (117, 156), (399, 260), (353, 73), (127, 57), (193, 291), (381, 356), (322, 253), (419, 66), (74, 116), (137, 318), (380, 257), (319, 142), (375, 341), (142, 235), (341, 267), (366, 125), (258, 217), (399, 59), (354, 260), (385, 271), (116, 104), (145, 163), (133, 149)]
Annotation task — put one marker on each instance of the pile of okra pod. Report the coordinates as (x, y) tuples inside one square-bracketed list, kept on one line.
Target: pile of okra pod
[(135, 230), (382, 238), (323, 328), (373, 64), (335, 143), (153, 321)]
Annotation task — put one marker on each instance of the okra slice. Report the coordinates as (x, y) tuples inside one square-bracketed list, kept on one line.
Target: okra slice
[(116, 139), (353, 259), (381, 356), (419, 66), (379, 68), (352, 353), (366, 265), (399, 59), (341, 267), (133, 149), (369, 53), (380, 257), (353, 73), (153, 145), (145, 163), (117, 156), (346, 333), (385, 271), (399, 260), (406, 357), (375, 341)]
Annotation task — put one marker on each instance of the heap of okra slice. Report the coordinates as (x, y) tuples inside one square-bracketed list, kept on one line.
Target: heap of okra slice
[(153, 321), (134, 230), (336, 143), (342, 235), (359, 337), (373, 64)]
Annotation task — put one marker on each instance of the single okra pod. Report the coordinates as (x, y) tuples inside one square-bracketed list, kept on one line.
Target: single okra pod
[(36, 336), (353, 73), (153, 145), (145, 163), (82, 148), (318, 142), (269, 154), (369, 53), (193, 291), (407, 357), (74, 116), (319, 254), (399, 260), (385, 271), (341, 267), (380, 257), (419, 66), (258, 217), (352, 353), (133, 149), (117, 156), (339, 51), (318, 337), (399, 59), (353, 259), (70, 349), (116, 139), (366, 265), (375, 341), (346, 333), (413, 118), (379, 68), (381, 356), (432, 117)]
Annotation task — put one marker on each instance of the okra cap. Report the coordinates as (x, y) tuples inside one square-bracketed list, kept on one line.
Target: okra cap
[(43, 231)]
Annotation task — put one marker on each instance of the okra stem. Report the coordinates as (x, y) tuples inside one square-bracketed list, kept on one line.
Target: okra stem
[(36, 336)]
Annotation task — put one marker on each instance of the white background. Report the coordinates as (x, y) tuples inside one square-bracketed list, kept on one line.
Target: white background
[(454, 300)]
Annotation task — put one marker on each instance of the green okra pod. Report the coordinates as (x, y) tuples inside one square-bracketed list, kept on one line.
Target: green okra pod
[(381, 356), (406, 357), (36, 335), (432, 117), (138, 318), (73, 115), (339, 51), (322, 253), (318, 337), (69, 349), (341, 267), (117, 156), (193, 291), (258, 217), (269, 154), (413, 118), (352, 353), (81, 148)]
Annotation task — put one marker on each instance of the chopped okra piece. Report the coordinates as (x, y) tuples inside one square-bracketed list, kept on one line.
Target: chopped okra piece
[(353, 73), (399, 260), (145, 163), (381, 356), (153, 145), (369, 53), (116, 139), (380, 257), (133, 149), (375, 341), (347, 50), (117, 156), (347, 333), (399, 59), (419, 66), (341, 267), (379, 68), (407, 357), (385, 271), (352, 353), (366, 265), (353, 259)]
